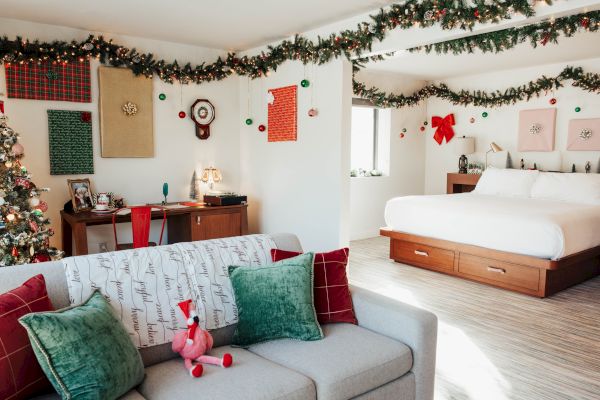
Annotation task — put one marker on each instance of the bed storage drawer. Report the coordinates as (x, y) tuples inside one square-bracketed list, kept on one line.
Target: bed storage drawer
[(423, 255), (486, 269)]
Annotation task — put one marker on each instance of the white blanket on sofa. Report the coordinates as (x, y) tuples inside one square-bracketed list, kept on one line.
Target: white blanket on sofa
[(145, 285)]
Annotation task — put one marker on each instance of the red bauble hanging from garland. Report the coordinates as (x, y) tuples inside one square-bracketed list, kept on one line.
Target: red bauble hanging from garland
[(262, 128), (182, 114), (40, 257)]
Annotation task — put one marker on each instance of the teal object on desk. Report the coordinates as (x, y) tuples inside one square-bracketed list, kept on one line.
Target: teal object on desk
[(165, 191)]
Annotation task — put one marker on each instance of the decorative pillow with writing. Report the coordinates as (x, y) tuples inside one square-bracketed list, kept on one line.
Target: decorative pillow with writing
[(333, 301), (85, 350), (20, 374), (275, 301)]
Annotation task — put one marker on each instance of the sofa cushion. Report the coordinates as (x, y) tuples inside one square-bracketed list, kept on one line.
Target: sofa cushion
[(131, 395), (250, 377), (349, 362)]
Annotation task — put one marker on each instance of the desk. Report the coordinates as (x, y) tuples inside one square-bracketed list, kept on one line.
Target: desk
[(461, 183), (185, 224)]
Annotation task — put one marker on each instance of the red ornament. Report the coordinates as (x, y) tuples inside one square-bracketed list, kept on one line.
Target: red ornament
[(401, 135), (182, 114), (313, 112), (23, 182), (545, 39), (262, 128), (40, 257), (86, 116), (476, 13), (444, 128), (422, 129), (43, 206), (553, 101), (14, 252), (33, 225), (585, 22)]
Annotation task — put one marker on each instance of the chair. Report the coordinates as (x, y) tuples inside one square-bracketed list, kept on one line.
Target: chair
[(140, 226)]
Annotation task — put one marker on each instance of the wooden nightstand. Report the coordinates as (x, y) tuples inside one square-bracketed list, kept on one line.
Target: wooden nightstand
[(461, 183)]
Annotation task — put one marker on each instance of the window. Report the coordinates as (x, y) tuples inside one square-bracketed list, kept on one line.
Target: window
[(367, 138)]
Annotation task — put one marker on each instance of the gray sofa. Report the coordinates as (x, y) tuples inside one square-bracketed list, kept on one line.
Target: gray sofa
[(390, 355)]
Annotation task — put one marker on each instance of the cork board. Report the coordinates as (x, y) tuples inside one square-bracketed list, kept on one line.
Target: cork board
[(70, 140), (125, 134), (282, 114)]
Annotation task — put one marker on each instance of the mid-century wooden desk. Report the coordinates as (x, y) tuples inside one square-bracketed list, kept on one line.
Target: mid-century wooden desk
[(184, 224)]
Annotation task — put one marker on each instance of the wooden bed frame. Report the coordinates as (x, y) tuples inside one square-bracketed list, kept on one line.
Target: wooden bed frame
[(524, 274)]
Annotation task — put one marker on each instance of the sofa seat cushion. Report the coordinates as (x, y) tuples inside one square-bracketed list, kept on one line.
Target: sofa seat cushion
[(349, 362), (250, 377)]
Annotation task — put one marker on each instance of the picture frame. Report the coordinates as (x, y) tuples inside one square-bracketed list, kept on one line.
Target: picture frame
[(81, 194)]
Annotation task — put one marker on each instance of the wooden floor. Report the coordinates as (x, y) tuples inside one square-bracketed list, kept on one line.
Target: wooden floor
[(495, 344)]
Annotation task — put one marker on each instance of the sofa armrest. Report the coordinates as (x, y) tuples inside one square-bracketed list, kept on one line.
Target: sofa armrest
[(410, 325)]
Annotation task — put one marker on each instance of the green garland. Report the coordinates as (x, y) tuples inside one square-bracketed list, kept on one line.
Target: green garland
[(540, 33), (448, 14), (589, 82)]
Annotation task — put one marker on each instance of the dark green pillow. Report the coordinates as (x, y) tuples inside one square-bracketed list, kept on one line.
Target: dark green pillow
[(84, 350), (275, 301)]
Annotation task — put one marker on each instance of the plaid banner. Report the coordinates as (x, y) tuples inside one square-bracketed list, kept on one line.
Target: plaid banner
[(48, 81)]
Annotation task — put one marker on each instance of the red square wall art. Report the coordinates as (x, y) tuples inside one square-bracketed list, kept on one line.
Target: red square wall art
[(50, 81), (283, 114)]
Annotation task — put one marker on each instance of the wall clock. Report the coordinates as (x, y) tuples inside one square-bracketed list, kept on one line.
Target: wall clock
[(203, 113)]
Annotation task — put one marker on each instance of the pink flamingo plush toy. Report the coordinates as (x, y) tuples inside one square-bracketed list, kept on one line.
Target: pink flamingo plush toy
[(193, 343)]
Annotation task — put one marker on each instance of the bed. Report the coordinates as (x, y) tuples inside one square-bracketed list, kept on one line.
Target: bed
[(536, 239)]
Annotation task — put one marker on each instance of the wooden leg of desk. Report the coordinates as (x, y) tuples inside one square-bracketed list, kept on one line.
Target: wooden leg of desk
[(67, 238), (80, 235)]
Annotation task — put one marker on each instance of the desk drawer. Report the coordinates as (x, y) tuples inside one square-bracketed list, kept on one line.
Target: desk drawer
[(498, 271), (423, 256)]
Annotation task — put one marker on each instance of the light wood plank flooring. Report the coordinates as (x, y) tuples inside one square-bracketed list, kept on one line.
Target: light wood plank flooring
[(495, 344)]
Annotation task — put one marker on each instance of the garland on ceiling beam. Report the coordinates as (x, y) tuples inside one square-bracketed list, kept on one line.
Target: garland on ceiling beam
[(448, 14), (589, 82), (541, 33)]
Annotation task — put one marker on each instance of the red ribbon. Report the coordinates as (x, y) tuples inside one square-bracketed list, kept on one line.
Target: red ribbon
[(444, 128)]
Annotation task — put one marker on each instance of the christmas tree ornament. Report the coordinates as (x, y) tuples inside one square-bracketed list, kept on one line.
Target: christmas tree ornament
[(262, 128), (17, 149), (162, 96), (472, 120), (34, 202), (552, 101), (8, 164), (37, 212), (34, 226), (484, 114), (425, 123), (43, 206), (402, 135), (31, 251), (10, 217), (577, 109), (40, 257), (182, 114), (404, 130), (313, 112), (304, 83), (14, 252), (249, 121), (2, 201), (422, 129)]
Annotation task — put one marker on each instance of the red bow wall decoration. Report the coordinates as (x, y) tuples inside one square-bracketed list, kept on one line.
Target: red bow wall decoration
[(444, 128)]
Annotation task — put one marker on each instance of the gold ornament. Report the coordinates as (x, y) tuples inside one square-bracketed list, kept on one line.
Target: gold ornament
[(585, 134), (129, 109)]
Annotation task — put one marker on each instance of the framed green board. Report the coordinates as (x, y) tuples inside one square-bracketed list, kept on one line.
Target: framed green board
[(71, 148)]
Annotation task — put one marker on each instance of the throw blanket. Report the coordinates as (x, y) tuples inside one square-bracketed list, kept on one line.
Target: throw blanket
[(145, 285)]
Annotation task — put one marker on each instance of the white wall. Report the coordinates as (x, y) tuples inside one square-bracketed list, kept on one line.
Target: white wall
[(303, 186), (177, 150), (406, 176), (501, 124)]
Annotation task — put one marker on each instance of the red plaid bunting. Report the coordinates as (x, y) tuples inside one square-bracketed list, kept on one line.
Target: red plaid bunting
[(50, 81)]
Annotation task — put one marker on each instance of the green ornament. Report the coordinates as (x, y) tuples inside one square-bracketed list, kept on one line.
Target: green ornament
[(162, 96), (484, 114), (577, 109), (404, 130), (304, 83), (249, 121)]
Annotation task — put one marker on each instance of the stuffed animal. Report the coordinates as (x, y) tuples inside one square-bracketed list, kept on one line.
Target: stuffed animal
[(193, 343)]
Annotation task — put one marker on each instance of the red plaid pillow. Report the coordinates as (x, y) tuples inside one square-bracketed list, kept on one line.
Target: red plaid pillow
[(20, 374), (332, 294)]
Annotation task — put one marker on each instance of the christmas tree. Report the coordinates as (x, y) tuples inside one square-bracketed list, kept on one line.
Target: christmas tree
[(24, 232)]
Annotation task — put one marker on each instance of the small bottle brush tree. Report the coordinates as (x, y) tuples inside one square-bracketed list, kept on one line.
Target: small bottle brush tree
[(24, 232)]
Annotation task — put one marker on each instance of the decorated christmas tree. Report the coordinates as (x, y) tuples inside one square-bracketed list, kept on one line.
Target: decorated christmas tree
[(24, 232)]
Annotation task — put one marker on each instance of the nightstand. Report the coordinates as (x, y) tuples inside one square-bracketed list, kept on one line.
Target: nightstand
[(461, 183)]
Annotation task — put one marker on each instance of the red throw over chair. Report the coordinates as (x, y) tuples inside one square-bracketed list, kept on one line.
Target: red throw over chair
[(140, 226)]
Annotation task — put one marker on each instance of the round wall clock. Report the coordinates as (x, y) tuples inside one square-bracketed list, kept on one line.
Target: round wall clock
[(203, 113)]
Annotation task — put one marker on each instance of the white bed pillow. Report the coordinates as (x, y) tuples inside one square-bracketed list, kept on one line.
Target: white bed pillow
[(569, 187), (506, 182)]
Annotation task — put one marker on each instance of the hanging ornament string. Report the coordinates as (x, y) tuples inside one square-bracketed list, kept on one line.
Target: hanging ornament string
[(182, 114), (248, 104)]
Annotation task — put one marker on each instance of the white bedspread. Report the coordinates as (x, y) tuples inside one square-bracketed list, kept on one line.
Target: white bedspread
[(539, 228)]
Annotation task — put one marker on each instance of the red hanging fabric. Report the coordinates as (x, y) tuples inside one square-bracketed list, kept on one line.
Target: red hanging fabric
[(444, 128)]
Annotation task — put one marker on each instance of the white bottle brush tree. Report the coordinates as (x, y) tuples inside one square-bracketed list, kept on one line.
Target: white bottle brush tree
[(24, 231)]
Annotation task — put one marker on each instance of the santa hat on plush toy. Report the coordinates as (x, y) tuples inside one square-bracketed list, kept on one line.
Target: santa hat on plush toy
[(189, 311)]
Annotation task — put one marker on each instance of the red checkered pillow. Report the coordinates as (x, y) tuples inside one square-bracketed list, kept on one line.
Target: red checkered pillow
[(332, 294), (20, 374)]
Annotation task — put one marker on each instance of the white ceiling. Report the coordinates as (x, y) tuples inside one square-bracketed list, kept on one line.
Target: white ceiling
[(225, 24), (432, 66)]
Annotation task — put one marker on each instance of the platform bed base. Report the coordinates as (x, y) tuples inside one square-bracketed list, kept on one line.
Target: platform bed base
[(524, 274)]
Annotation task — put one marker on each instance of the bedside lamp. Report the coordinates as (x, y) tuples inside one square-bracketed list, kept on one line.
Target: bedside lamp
[(462, 147), (211, 175), (494, 148)]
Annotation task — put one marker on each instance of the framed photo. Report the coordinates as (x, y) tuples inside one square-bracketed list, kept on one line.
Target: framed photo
[(81, 194)]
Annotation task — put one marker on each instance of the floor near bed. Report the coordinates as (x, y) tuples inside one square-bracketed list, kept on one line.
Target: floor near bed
[(494, 344)]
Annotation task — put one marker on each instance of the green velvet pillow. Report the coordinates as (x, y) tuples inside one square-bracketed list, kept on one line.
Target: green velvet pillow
[(84, 350), (275, 301)]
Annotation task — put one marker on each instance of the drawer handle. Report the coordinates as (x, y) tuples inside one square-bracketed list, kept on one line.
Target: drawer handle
[(497, 270), (198, 219), (421, 253)]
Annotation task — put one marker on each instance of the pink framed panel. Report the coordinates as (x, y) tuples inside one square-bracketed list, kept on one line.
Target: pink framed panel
[(536, 129), (584, 134)]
